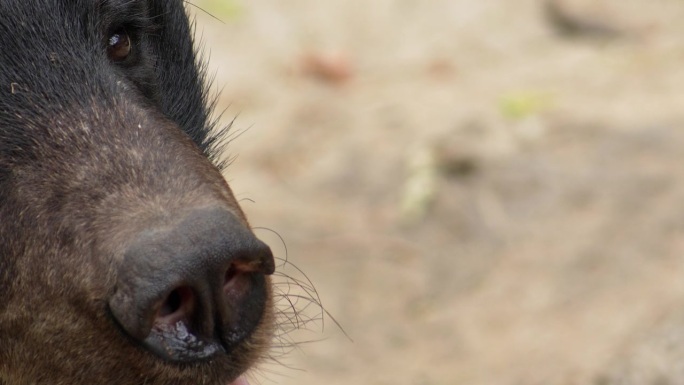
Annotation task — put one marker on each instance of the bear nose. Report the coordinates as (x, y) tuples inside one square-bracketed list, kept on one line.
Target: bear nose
[(193, 289)]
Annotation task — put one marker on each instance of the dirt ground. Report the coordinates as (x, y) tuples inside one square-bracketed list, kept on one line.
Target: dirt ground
[(482, 192)]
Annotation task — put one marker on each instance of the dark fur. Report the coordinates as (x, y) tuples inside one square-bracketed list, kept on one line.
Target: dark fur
[(91, 151)]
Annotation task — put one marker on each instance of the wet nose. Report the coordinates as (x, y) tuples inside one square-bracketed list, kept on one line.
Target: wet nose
[(193, 289)]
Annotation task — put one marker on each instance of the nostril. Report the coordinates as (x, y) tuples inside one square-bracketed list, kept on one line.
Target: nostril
[(230, 274), (237, 280), (178, 305), (171, 305), (180, 331)]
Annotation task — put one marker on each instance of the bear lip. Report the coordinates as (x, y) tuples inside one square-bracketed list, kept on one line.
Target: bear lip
[(239, 381)]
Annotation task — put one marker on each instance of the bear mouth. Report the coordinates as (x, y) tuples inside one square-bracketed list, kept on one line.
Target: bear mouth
[(239, 381)]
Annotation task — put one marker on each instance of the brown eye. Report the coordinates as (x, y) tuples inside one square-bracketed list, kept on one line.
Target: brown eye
[(119, 46)]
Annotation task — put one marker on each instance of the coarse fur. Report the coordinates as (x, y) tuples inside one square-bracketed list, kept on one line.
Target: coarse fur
[(91, 152)]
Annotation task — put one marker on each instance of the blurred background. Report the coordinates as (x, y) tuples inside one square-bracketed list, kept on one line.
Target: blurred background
[(482, 192)]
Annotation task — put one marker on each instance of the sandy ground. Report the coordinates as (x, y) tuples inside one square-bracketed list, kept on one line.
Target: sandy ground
[(482, 192)]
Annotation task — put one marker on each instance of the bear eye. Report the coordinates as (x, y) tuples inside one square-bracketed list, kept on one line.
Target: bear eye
[(119, 46)]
